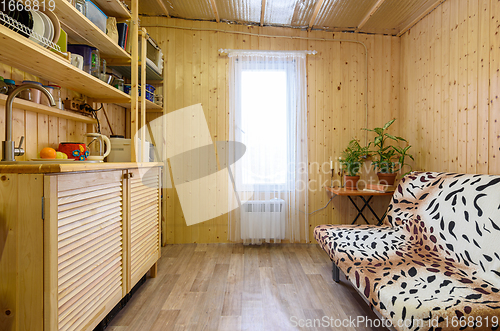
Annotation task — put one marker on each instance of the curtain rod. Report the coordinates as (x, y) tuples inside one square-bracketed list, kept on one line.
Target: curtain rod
[(227, 51)]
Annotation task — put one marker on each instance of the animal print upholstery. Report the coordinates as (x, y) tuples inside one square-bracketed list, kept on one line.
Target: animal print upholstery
[(435, 260)]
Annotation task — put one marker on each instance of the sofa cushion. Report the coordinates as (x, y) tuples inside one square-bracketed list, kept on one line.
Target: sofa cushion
[(437, 256)]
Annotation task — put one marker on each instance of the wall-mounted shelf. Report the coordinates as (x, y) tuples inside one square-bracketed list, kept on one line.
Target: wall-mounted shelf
[(25, 55), (81, 30), (51, 111), (151, 107), (113, 8), (125, 70)]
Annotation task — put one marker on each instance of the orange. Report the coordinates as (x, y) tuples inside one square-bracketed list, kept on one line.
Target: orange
[(48, 153)]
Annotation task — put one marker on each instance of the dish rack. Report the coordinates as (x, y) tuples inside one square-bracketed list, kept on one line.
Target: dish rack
[(17, 26)]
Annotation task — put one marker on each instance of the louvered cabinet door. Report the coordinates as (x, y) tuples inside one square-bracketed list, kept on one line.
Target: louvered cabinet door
[(89, 247), (144, 219)]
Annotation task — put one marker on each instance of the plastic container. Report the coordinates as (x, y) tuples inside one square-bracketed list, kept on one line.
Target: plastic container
[(149, 95), (32, 95), (91, 58), (44, 100), (95, 15)]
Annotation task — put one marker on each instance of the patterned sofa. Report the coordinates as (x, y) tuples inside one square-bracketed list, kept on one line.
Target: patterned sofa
[(435, 263)]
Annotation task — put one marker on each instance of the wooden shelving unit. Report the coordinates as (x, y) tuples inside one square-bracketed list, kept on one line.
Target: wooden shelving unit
[(51, 111), (114, 8), (24, 54), (150, 106), (81, 30)]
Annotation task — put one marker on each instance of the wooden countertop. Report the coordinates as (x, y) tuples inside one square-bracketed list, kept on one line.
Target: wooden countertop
[(47, 168)]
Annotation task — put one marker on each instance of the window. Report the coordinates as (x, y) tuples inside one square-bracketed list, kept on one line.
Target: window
[(263, 108)]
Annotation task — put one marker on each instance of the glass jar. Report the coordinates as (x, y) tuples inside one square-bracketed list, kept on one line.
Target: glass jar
[(118, 83), (11, 85), (56, 93), (4, 88)]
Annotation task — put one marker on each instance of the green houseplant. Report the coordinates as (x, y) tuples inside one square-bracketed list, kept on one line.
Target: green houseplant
[(388, 159), (351, 160)]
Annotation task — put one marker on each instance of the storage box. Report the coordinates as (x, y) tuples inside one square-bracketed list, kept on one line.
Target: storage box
[(95, 15), (149, 91)]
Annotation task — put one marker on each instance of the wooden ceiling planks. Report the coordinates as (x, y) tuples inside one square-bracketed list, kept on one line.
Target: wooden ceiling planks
[(393, 17)]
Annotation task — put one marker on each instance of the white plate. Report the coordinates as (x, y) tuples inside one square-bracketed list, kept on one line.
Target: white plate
[(53, 160), (38, 26), (55, 23), (49, 28)]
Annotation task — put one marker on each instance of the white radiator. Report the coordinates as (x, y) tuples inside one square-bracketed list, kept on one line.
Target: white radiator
[(261, 219)]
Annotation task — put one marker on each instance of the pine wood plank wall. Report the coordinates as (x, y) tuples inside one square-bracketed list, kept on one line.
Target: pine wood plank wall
[(41, 130), (196, 73), (450, 85)]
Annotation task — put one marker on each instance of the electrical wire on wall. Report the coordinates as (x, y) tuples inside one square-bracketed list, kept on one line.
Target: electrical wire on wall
[(286, 37), (93, 113)]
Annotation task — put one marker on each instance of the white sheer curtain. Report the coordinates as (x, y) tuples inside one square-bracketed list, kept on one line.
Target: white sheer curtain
[(268, 116)]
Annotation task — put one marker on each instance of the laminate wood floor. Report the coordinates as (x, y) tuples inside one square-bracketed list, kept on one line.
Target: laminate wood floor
[(234, 287)]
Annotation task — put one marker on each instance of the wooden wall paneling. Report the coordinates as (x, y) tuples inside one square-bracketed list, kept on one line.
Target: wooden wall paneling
[(494, 112), (464, 72), (445, 85), (462, 88), (334, 118), (452, 155), (472, 75), (483, 64)]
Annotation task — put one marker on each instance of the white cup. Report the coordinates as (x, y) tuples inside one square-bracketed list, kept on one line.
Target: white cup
[(77, 61)]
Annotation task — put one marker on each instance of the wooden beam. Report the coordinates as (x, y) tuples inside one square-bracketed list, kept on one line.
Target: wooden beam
[(163, 7), (216, 12), (262, 12), (370, 14), (315, 14), (416, 20)]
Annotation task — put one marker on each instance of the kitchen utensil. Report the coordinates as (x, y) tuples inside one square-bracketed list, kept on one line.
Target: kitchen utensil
[(120, 149), (77, 61), (99, 146), (76, 151), (81, 6)]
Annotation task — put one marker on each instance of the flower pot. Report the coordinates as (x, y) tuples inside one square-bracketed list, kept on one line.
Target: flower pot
[(351, 182), (386, 179)]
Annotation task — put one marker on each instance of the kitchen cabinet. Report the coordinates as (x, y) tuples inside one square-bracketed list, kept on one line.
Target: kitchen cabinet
[(74, 240)]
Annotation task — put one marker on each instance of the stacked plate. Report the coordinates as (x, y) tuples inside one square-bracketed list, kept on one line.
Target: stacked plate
[(45, 24), (28, 22)]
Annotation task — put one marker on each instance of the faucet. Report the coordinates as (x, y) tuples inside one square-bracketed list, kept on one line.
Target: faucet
[(9, 150)]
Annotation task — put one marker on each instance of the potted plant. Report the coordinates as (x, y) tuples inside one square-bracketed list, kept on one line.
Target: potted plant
[(351, 160), (388, 159)]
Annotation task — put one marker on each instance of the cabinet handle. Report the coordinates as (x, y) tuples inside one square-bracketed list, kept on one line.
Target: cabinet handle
[(128, 175)]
